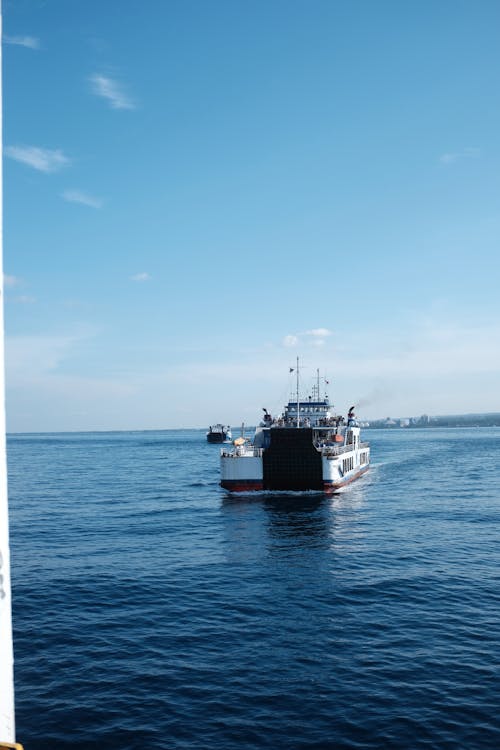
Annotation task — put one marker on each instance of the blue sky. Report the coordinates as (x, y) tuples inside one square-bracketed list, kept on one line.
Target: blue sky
[(196, 193)]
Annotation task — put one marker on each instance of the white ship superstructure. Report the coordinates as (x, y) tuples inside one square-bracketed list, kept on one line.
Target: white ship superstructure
[(306, 448)]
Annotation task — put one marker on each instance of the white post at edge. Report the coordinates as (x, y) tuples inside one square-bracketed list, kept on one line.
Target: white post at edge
[(7, 727), (298, 397)]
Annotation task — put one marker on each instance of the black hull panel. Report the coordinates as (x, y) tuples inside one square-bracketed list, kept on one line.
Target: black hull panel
[(216, 437), (291, 462)]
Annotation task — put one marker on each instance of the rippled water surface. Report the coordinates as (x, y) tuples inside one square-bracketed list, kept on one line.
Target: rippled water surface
[(153, 610)]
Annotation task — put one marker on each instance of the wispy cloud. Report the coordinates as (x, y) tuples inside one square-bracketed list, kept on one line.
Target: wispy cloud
[(77, 196), (111, 90), (141, 277), (11, 281), (315, 336), (44, 395), (318, 333), (24, 299), (22, 41), (30, 356), (454, 156), (42, 159), (14, 282)]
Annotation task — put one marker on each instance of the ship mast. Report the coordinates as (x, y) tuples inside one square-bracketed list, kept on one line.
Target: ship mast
[(7, 729)]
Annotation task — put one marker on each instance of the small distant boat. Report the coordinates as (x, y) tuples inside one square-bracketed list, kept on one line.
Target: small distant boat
[(307, 448), (219, 433)]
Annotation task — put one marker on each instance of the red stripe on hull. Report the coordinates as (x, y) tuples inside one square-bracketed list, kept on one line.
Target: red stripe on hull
[(331, 487), (249, 485), (242, 485)]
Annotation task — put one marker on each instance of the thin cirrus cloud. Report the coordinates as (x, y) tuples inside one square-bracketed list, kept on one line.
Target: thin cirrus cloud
[(453, 156), (109, 89), (42, 159), (315, 336), (14, 282), (11, 281), (25, 299), (30, 42), (78, 196), (141, 277)]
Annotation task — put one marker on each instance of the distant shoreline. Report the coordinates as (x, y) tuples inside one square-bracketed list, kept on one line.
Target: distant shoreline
[(456, 420), (399, 423)]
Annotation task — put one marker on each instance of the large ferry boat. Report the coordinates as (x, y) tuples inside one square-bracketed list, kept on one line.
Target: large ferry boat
[(307, 447)]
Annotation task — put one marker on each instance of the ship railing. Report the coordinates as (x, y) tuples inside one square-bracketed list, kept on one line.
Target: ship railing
[(246, 451), (334, 450), (337, 450)]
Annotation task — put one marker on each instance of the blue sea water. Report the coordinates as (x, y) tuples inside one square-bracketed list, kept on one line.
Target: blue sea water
[(153, 610)]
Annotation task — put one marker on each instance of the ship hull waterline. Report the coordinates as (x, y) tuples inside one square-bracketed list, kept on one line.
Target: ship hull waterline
[(242, 486)]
